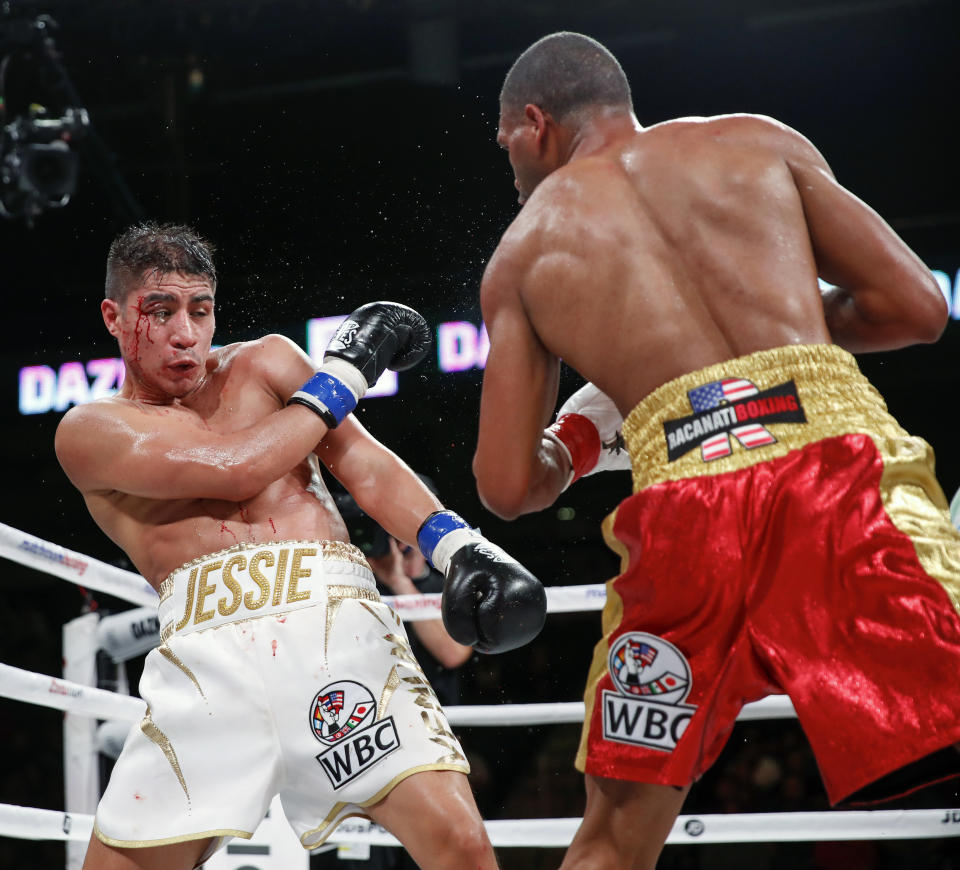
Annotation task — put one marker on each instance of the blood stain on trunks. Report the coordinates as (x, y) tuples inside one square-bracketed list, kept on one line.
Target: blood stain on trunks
[(273, 646)]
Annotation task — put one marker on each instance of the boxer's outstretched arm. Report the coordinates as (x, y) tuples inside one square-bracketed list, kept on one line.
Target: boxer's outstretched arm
[(884, 296)]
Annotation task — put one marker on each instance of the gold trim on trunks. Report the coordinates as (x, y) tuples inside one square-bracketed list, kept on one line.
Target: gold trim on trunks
[(336, 595), (339, 551), (328, 825), (918, 508), (835, 397), (389, 687), (611, 618), (166, 841), (153, 733), (330, 571), (174, 659)]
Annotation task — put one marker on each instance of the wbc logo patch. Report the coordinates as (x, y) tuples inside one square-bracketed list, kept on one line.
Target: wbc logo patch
[(731, 408), (652, 679), (343, 718)]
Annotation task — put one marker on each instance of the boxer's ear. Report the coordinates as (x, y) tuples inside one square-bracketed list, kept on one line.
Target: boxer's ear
[(111, 316), (537, 119)]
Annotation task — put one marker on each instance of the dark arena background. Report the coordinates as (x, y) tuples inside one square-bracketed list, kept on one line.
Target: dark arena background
[(339, 151)]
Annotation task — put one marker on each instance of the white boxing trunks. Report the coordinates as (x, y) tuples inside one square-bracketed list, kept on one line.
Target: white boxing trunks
[(280, 671)]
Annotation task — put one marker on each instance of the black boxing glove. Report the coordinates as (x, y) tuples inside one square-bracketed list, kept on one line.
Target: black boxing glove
[(490, 601), (377, 336)]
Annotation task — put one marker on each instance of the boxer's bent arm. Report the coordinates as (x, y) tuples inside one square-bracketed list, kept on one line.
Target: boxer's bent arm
[(517, 471), (885, 297), (280, 365), (381, 483), (153, 456)]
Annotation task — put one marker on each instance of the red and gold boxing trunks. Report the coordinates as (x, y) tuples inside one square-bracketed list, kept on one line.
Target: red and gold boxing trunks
[(785, 535)]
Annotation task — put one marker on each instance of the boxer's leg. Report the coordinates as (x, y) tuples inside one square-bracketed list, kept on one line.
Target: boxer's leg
[(434, 815), (624, 826), (173, 856)]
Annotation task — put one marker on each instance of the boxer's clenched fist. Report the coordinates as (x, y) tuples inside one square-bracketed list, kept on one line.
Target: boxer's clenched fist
[(377, 336), (490, 601)]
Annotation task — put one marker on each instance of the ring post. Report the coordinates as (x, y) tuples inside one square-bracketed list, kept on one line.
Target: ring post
[(81, 774)]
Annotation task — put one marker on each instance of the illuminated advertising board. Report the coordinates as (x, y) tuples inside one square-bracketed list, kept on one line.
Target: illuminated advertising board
[(460, 346)]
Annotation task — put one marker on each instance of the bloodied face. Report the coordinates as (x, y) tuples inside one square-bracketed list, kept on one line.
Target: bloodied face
[(165, 328)]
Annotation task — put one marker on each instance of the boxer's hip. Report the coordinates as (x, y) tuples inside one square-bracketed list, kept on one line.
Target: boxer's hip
[(751, 409), (249, 581)]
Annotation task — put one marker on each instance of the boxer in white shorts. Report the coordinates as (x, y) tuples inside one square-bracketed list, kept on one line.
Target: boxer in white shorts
[(280, 671), (330, 709)]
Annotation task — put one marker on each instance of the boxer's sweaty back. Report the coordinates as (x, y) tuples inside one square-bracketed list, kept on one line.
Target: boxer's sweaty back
[(683, 247)]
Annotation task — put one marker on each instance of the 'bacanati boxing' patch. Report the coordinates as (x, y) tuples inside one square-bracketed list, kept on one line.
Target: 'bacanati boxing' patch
[(343, 718), (731, 408), (652, 679)]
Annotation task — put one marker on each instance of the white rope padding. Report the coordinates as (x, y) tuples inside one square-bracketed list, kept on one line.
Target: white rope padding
[(92, 573), (21, 685), (774, 707), (560, 599), (69, 565), (35, 824), (28, 823)]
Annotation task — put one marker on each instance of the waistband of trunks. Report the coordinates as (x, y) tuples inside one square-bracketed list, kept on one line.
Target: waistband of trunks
[(751, 409), (249, 581)]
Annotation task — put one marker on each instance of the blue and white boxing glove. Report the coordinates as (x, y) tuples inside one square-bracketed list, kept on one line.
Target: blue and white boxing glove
[(490, 601), (377, 336)]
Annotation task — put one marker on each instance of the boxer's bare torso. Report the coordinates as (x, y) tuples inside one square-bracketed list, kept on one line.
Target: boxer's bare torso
[(680, 247), (160, 534)]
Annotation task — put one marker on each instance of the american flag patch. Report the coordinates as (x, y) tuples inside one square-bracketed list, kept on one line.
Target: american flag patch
[(716, 447), (753, 436), (332, 702), (642, 652), (715, 393), (727, 409)]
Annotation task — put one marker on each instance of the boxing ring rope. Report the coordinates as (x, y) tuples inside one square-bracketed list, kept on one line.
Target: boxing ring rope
[(89, 701), (34, 824), (20, 685)]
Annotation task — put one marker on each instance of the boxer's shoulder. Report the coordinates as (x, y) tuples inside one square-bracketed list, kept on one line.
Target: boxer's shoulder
[(268, 350), (272, 360)]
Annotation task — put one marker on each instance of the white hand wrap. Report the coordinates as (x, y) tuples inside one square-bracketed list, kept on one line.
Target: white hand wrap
[(588, 431), (350, 376)]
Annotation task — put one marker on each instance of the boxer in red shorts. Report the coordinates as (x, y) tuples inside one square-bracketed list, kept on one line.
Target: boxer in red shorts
[(785, 534)]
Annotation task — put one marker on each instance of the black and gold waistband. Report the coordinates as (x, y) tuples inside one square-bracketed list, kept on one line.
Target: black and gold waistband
[(751, 409)]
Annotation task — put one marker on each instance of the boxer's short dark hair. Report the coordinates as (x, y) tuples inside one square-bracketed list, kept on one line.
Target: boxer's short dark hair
[(154, 247), (564, 72)]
